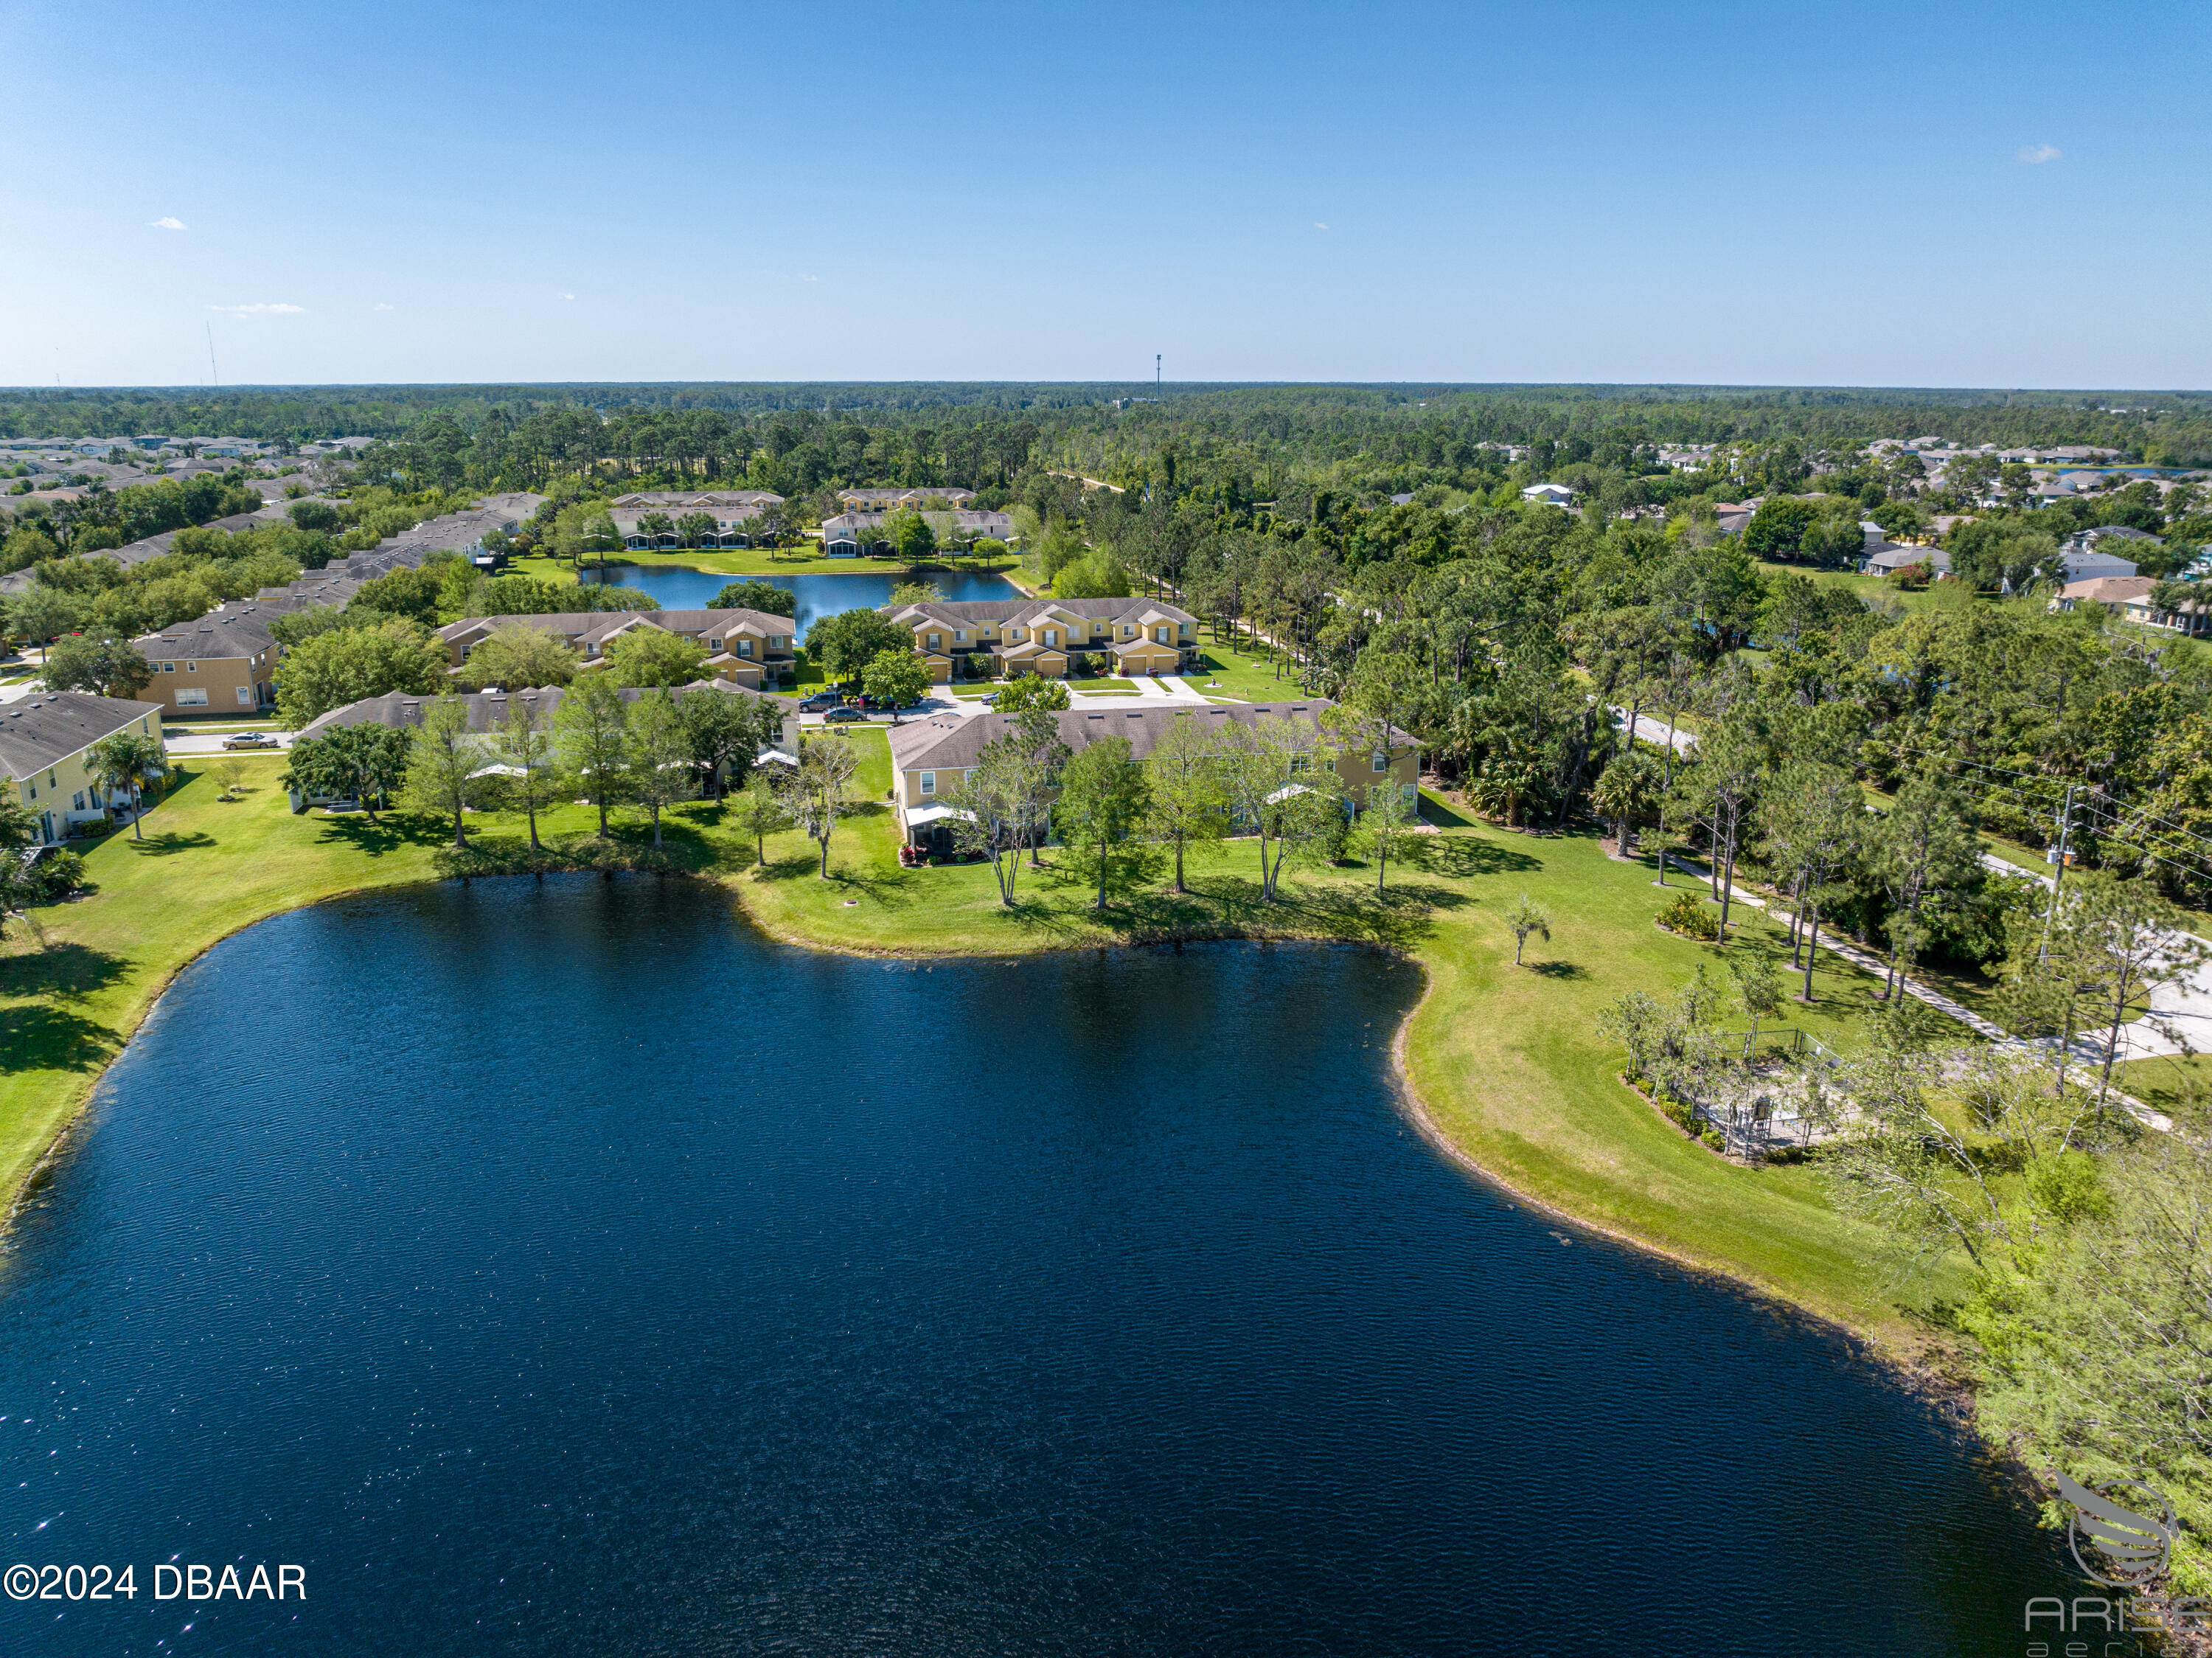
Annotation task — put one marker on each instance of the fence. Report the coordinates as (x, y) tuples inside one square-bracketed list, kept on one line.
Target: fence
[(1788, 1042)]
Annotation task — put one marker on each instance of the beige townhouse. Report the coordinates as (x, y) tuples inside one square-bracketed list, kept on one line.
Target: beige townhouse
[(1020, 634), (747, 648), (43, 741), (930, 759), (223, 662)]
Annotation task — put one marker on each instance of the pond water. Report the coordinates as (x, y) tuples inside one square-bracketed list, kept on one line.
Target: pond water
[(561, 1268), (678, 587)]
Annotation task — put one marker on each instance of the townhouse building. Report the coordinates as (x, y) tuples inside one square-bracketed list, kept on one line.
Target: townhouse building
[(43, 744), (930, 759), (852, 532), (487, 710), (747, 647), (1021, 635), (223, 662), (736, 514)]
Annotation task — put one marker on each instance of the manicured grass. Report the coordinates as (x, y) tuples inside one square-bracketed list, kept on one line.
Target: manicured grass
[(755, 561), (1246, 672), (1508, 1061)]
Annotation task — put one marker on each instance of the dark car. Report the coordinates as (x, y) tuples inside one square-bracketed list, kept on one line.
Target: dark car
[(820, 700), (843, 716)]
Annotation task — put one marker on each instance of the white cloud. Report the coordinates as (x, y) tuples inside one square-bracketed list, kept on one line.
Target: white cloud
[(1318, 225), (165, 222), (810, 278), (567, 296), (266, 308), (382, 306), (2036, 154)]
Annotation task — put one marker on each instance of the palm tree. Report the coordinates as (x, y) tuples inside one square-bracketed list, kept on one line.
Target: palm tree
[(124, 761), (1526, 917)]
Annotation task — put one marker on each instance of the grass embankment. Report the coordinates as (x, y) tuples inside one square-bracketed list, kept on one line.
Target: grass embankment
[(759, 561), (1507, 1061)]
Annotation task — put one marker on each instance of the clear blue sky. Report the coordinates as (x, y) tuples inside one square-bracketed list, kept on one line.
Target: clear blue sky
[(1944, 194)]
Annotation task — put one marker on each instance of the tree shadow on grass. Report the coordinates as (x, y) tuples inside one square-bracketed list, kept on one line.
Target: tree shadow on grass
[(1436, 810), (171, 842), (1564, 969), (894, 887), (386, 834), (53, 1038), (1473, 855), (63, 969)]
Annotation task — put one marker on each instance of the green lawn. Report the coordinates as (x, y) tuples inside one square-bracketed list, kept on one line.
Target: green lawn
[(1245, 671), (753, 561), (1507, 1060)]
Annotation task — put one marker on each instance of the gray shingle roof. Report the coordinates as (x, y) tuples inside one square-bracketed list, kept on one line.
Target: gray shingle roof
[(952, 741), (228, 631), (487, 708), (42, 731)]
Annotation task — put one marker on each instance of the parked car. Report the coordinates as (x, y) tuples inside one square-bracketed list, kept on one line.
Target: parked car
[(843, 716), (820, 700), (250, 739)]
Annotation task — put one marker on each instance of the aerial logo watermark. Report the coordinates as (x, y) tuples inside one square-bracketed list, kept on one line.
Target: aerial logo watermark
[(2121, 1532)]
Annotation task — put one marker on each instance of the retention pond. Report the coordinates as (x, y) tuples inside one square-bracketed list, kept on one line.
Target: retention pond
[(560, 1268)]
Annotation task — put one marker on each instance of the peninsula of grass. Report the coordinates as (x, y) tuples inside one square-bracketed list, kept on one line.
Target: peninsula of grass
[(1505, 1062), (760, 561)]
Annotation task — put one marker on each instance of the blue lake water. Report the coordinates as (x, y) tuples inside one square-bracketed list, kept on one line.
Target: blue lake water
[(560, 1268), (678, 587)]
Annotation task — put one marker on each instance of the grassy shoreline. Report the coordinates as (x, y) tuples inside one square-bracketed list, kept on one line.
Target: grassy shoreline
[(1501, 1064)]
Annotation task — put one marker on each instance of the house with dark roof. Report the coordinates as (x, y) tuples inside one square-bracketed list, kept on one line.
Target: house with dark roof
[(43, 741), (1021, 635), (747, 646), (930, 759), (223, 662), (487, 710)]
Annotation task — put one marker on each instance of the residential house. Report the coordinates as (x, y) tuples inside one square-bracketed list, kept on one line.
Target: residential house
[(1022, 635), (487, 709), (1557, 495), (2090, 554), (1887, 560), (930, 759), (2128, 597), (223, 662), (851, 533), (747, 646), (43, 741)]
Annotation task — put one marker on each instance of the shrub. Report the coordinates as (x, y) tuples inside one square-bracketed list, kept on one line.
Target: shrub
[(1690, 917), (1713, 1140), (57, 875)]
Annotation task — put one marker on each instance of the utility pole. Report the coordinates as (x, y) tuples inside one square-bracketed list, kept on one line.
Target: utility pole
[(2057, 874)]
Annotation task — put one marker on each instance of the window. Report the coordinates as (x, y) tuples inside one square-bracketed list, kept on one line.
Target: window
[(1382, 761), (744, 647), (1128, 633), (959, 635), (191, 667), (77, 802), (1052, 636), (936, 640), (929, 782), (191, 699), (167, 668), (1159, 635), (713, 644)]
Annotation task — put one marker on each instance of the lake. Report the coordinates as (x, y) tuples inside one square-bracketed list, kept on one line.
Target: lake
[(561, 1267), (678, 587)]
